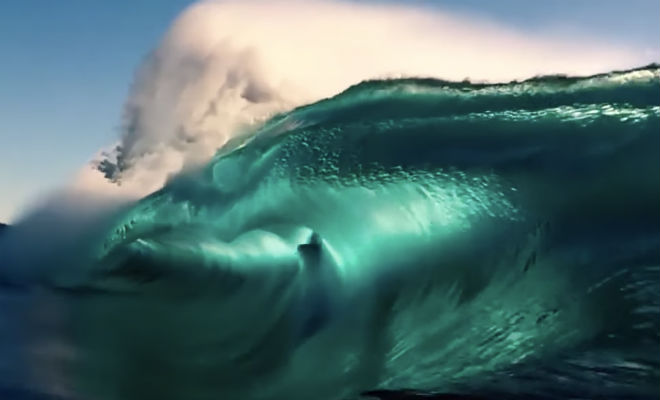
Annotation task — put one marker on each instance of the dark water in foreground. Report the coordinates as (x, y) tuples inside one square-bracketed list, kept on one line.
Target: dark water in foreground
[(404, 238)]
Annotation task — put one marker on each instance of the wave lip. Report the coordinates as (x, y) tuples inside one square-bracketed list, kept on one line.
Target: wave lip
[(224, 68)]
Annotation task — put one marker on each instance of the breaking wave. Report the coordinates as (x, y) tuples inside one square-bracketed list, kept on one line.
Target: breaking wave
[(408, 234)]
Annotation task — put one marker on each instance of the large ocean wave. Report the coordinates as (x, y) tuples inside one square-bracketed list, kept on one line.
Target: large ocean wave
[(412, 234)]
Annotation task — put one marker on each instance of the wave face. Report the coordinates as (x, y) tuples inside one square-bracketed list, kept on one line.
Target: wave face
[(486, 240)]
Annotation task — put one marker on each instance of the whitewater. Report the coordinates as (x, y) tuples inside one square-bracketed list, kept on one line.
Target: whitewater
[(410, 236)]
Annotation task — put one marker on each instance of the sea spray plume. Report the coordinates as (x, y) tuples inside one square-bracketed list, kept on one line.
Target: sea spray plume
[(226, 65), (184, 107)]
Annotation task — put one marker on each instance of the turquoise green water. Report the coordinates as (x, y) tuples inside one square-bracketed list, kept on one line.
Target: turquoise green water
[(498, 240)]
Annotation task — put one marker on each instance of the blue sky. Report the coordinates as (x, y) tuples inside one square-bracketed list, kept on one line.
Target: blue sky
[(66, 67)]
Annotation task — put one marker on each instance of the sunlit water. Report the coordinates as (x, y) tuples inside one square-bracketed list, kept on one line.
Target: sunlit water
[(499, 241)]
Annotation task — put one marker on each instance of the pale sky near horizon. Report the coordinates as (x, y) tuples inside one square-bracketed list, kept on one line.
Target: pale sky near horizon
[(66, 68)]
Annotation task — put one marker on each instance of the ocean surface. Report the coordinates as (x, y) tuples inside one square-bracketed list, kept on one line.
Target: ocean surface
[(408, 239)]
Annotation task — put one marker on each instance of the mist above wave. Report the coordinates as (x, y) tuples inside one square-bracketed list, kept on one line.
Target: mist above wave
[(224, 67)]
